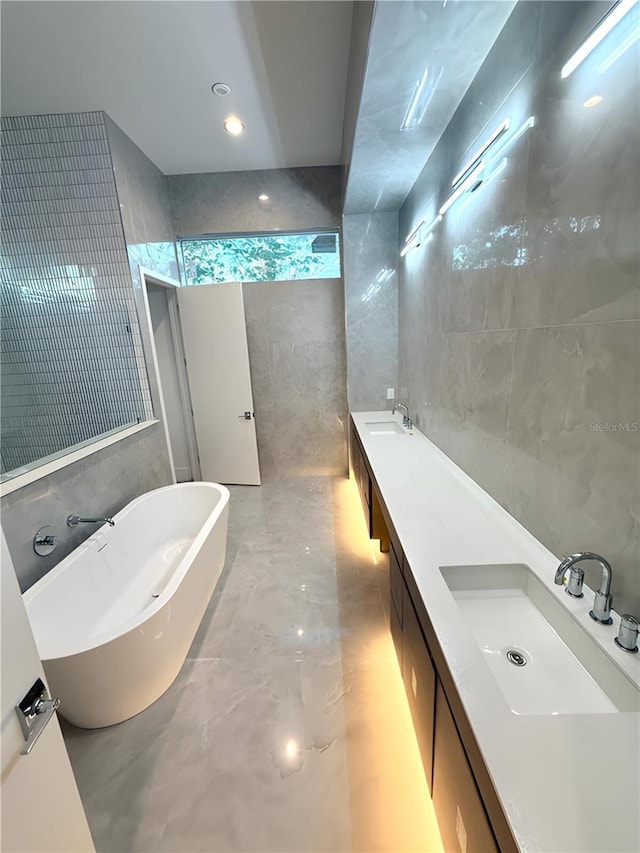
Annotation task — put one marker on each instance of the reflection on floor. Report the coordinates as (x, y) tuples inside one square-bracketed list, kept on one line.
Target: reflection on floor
[(288, 727)]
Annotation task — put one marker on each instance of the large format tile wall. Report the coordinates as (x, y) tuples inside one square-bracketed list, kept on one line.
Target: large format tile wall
[(64, 268), (143, 194), (370, 252), (296, 336), (103, 482), (295, 330), (519, 332), (227, 202)]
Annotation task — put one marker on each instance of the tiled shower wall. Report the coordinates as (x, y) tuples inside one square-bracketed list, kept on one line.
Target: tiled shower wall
[(519, 321), (64, 268), (106, 480)]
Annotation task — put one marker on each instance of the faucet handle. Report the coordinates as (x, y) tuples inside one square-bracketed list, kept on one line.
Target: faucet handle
[(44, 542), (576, 579), (627, 638)]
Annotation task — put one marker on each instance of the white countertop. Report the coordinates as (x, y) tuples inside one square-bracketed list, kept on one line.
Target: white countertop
[(566, 782)]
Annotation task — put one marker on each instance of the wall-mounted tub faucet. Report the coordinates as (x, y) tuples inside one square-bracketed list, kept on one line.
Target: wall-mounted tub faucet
[(601, 611), (72, 520)]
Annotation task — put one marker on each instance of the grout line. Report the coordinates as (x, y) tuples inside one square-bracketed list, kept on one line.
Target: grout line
[(547, 326)]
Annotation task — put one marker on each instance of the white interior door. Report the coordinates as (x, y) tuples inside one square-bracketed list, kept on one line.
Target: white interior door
[(215, 342), (41, 808)]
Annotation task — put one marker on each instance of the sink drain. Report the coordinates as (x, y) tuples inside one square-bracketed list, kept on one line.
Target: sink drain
[(516, 658)]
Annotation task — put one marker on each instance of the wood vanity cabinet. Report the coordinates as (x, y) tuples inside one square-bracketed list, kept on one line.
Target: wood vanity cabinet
[(453, 765), (361, 475), (463, 822), (396, 588), (420, 683), (371, 502)]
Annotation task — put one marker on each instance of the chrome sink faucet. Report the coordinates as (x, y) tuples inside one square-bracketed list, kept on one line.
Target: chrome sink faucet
[(72, 520), (601, 611), (406, 420)]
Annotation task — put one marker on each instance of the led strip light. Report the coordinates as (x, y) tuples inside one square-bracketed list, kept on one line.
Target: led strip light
[(615, 14)]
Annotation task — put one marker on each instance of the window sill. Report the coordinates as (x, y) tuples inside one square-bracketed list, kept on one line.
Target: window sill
[(45, 470)]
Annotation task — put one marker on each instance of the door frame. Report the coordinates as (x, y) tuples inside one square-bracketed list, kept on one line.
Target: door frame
[(170, 285)]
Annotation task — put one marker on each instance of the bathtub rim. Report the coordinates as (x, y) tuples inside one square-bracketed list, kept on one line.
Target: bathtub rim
[(98, 640)]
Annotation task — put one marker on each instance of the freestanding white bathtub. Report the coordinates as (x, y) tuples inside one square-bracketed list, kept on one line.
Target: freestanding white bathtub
[(114, 620)]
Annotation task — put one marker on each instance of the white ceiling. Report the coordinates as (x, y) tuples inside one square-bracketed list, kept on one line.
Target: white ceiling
[(150, 66)]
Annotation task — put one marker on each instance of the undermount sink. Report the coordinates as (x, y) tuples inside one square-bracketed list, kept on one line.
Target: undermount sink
[(384, 428), (542, 659)]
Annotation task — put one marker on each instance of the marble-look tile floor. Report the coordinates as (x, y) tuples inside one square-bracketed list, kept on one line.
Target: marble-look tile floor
[(288, 728)]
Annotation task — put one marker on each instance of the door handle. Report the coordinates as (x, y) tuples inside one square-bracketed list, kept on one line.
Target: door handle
[(34, 712), (246, 416)]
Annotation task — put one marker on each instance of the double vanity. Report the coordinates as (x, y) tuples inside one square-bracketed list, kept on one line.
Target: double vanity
[(526, 711)]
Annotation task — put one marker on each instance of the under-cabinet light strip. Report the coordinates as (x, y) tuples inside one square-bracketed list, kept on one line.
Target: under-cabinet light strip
[(613, 17), (464, 186), (497, 133)]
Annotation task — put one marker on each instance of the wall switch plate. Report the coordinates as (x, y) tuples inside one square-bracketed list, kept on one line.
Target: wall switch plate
[(461, 831), (391, 393)]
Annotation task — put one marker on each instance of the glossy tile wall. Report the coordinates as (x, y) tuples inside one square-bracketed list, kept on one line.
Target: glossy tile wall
[(227, 202), (519, 323), (143, 194), (358, 54), (296, 337), (295, 329), (439, 46), (370, 252)]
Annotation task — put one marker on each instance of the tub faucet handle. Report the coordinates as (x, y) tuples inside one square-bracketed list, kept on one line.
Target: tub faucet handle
[(44, 542)]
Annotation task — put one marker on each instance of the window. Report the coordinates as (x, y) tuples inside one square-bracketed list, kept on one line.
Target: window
[(266, 257)]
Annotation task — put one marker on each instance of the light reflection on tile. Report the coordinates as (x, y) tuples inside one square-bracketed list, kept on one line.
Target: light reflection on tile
[(518, 323), (269, 740)]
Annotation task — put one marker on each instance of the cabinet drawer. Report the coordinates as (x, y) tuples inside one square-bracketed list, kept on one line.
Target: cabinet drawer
[(463, 822), (420, 683)]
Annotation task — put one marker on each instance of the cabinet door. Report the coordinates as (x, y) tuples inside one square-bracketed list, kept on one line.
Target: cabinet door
[(378, 524), (395, 605), (361, 476), (463, 822), (420, 682)]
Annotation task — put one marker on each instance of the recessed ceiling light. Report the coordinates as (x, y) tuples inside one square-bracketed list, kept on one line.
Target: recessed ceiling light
[(233, 126), (263, 197), (593, 101), (220, 89)]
